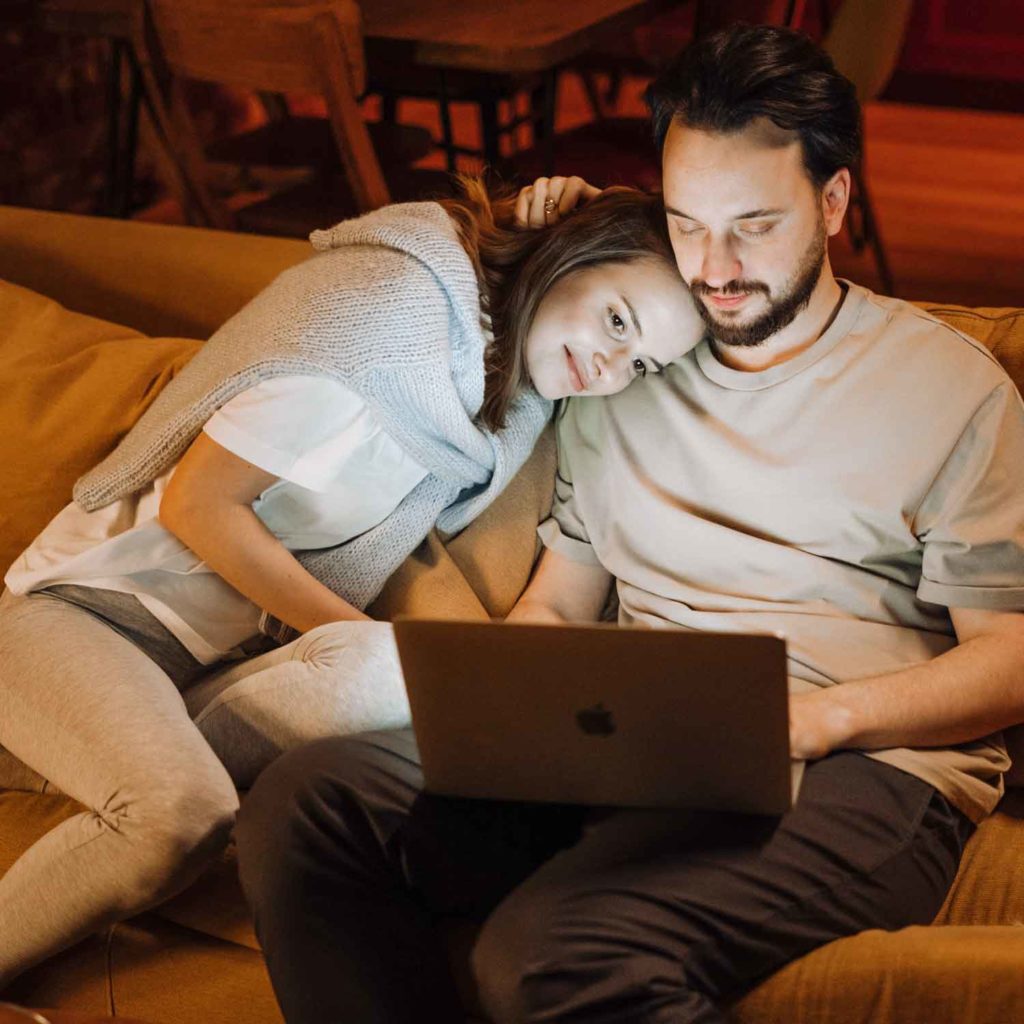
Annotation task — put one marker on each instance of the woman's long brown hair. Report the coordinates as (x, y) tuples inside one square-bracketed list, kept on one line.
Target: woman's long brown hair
[(516, 267)]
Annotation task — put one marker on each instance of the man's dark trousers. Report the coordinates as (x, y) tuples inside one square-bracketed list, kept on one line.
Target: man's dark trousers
[(588, 915)]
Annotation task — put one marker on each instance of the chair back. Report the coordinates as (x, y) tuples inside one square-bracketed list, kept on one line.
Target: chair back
[(865, 39), (276, 46), (273, 45)]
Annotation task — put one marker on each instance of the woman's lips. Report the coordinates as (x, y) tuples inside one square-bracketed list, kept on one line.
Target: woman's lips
[(575, 377)]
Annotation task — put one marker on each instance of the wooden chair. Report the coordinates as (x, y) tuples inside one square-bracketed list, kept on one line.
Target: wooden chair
[(110, 20), (288, 46), (865, 39)]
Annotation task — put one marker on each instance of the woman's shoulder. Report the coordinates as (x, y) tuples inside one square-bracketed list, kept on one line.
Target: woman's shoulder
[(398, 225), (407, 251)]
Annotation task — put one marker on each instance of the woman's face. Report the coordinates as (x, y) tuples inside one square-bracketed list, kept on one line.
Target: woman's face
[(599, 328)]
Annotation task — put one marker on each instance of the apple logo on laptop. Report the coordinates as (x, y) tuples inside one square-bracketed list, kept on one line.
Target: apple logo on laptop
[(596, 721)]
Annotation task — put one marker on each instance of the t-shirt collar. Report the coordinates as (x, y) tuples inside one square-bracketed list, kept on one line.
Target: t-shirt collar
[(744, 380)]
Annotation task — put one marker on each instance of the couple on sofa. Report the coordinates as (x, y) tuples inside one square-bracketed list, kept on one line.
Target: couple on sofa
[(774, 449)]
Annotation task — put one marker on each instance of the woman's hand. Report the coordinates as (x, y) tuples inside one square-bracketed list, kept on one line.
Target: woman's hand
[(548, 200)]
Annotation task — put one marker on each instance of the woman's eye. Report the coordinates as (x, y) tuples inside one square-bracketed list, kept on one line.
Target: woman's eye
[(618, 324), (639, 367)]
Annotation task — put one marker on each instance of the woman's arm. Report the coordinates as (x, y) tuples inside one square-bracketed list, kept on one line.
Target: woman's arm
[(208, 507)]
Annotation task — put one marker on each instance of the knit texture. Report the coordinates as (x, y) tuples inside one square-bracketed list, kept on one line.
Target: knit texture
[(389, 307)]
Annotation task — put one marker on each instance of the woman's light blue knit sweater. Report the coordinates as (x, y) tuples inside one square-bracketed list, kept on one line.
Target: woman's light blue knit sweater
[(390, 307)]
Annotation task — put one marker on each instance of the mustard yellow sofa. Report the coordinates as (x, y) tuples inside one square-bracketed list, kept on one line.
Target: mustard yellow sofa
[(72, 382)]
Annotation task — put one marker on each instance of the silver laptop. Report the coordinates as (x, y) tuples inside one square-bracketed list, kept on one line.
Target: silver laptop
[(600, 714)]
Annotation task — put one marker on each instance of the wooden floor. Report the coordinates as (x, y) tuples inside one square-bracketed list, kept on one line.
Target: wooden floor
[(948, 188)]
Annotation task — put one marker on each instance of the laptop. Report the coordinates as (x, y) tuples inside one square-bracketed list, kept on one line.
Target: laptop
[(600, 714)]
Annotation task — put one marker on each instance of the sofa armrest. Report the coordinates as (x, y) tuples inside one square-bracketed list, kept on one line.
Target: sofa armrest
[(157, 278)]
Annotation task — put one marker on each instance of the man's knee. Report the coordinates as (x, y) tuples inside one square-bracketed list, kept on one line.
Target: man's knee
[(533, 964), (312, 801)]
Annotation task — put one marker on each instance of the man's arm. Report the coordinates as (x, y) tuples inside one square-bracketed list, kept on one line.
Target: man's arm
[(562, 590), (972, 690)]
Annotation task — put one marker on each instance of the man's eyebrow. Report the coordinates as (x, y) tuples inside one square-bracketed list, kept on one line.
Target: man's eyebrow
[(633, 316), (658, 367), (750, 215), (756, 214)]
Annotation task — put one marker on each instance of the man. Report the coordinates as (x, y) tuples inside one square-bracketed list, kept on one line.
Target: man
[(828, 463)]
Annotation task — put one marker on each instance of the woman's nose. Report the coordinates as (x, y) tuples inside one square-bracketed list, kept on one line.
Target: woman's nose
[(611, 367)]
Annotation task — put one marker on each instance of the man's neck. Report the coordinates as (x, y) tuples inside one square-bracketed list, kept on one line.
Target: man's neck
[(808, 326)]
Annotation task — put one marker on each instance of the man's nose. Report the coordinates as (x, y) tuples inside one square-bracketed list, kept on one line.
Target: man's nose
[(719, 265)]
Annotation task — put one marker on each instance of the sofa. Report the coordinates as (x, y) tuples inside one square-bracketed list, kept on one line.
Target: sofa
[(95, 316)]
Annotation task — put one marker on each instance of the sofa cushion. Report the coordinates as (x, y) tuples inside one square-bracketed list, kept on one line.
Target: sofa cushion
[(1000, 329), (923, 975), (72, 385), (989, 887)]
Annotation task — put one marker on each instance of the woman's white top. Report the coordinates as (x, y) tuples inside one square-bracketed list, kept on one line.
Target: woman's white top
[(339, 474)]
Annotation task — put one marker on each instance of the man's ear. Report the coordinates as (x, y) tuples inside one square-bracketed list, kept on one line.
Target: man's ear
[(835, 197)]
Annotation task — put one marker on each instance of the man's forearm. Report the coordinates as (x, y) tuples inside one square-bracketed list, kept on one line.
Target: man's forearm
[(972, 690)]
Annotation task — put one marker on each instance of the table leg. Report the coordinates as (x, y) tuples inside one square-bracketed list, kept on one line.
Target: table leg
[(129, 151), (550, 91), (490, 128), (108, 201), (448, 139)]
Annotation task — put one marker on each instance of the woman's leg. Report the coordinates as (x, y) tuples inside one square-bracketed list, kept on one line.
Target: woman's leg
[(338, 679), (91, 712)]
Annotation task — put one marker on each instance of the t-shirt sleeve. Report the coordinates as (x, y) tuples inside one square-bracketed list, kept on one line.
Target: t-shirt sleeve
[(293, 427), (564, 531), (971, 521)]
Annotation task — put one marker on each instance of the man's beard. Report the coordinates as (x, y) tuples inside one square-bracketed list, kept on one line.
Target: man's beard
[(781, 312)]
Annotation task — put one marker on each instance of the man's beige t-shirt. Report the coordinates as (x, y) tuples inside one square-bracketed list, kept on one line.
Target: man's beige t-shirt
[(846, 499)]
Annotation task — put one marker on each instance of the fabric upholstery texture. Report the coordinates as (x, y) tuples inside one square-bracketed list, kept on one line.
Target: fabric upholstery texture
[(72, 385), (196, 957)]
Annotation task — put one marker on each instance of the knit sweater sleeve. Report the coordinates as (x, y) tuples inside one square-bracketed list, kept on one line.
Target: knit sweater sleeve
[(342, 314)]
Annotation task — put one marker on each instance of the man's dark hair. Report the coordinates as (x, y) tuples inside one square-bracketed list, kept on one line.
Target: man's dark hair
[(722, 82)]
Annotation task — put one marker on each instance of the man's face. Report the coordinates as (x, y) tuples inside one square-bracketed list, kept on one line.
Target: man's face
[(747, 227)]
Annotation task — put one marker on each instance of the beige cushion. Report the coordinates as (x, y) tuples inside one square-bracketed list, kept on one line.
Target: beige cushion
[(72, 386)]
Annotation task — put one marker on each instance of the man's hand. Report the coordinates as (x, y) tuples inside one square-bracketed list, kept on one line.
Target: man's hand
[(533, 209), (818, 724), (971, 690)]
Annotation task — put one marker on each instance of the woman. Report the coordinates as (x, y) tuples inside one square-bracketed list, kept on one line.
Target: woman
[(394, 382)]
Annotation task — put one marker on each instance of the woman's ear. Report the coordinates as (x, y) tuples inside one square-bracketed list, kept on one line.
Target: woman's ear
[(835, 198)]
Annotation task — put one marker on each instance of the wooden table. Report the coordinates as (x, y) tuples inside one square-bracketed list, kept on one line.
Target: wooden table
[(518, 37), (483, 49)]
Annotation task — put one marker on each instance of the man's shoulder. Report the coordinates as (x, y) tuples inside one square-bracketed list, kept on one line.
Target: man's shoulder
[(917, 334)]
